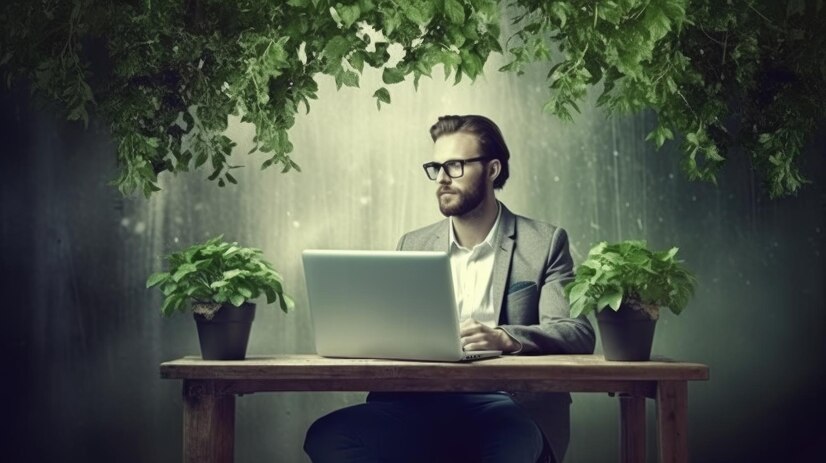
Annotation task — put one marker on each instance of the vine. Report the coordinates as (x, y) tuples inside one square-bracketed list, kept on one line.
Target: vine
[(167, 74)]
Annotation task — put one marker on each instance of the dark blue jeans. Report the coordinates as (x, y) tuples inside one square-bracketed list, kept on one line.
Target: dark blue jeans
[(427, 427)]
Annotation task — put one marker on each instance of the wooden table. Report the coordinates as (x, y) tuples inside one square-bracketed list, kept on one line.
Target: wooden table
[(210, 387)]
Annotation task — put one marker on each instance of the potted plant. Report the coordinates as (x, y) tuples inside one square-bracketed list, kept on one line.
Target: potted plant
[(634, 283), (219, 279)]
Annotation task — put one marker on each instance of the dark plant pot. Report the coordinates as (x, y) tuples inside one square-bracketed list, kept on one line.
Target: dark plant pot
[(225, 336), (626, 334)]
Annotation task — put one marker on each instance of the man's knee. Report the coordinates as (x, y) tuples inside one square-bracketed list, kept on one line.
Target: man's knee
[(511, 433), (351, 432), (315, 438), (324, 437), (529, 438)]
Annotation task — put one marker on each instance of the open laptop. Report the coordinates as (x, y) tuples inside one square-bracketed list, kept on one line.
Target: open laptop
[(384, 304)]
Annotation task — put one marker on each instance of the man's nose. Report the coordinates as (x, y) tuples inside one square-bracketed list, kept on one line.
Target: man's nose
[(442, 176)]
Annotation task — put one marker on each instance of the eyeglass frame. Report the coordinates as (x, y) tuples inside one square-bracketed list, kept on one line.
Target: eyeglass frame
[(441, 166)]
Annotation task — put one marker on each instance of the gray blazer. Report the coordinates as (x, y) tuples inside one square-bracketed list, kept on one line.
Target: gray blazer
[(531, 267)]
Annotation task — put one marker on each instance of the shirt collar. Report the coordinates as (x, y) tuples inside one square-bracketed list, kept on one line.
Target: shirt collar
[(488, 239)]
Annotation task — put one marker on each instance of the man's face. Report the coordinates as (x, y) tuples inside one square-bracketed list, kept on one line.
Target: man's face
[(458, 196)]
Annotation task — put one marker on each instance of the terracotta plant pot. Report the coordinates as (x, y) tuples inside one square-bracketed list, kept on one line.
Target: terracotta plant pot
[(225, 336), (627, 334)]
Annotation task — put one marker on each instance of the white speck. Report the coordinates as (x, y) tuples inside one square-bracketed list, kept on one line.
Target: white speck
[(616, 153), (124, 222), (639, 223), (364, 200), (556, 178), (659, 219), (391, 181), (296, 224), (175, 239), (289, 213), (178, 219), (594, 226), (693, 197), (627, 204), (140, 227), (671, 176)]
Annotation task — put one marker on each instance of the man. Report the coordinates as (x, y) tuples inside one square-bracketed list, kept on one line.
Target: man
[(508, 272)]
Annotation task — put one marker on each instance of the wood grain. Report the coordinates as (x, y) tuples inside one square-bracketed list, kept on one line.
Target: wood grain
[(632, 428), (643, 388), (209, 423), (672, 421), (549, 368)]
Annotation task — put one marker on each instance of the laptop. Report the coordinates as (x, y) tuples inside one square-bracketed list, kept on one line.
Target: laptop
[(384, 304)]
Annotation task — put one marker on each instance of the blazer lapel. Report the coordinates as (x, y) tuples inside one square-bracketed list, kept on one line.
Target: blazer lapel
[(440, 240), (502, 262)]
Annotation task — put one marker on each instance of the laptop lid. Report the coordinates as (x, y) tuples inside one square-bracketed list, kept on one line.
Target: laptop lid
[(383, 304)]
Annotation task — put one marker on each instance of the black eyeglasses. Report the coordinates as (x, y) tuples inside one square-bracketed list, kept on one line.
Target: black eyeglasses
[(454, 168)]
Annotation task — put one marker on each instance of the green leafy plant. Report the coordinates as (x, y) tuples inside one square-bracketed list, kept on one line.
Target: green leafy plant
[(627, 273), (217, 272), (747, 74), (166, 74)]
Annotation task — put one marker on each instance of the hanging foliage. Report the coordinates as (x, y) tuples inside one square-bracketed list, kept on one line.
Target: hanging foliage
[(167, 74), (723, 74)]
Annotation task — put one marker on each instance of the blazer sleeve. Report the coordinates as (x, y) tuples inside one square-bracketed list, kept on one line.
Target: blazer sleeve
[(557, 332), (400, 246)]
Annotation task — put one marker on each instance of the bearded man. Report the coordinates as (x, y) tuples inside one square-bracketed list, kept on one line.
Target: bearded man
[(508, 277)]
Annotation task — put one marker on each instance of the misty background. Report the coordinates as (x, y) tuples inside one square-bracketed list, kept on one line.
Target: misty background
[(84, 338)]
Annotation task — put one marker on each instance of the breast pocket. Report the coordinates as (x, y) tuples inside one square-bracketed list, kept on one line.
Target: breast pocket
[(523, 303)]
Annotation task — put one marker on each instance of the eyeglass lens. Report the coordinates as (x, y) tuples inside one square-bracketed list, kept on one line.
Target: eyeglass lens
[(453, 169)]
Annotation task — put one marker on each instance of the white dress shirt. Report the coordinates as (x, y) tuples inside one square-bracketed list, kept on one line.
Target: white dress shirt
[(472, 274)]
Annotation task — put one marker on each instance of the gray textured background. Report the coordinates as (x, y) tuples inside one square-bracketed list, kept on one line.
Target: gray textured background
[(84, 339)]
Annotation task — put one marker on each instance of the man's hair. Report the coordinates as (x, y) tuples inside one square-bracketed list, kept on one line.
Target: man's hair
[(488, 135)]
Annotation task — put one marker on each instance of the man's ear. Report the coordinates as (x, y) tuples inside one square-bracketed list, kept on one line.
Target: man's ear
[(495, 169)]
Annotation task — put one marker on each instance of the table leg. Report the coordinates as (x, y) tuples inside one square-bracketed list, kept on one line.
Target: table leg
[(209, 423), (672, 421), (632, 428)]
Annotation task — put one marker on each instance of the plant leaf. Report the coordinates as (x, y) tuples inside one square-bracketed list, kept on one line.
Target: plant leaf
[(612, 297), (382, 96), (578, 290), (182, 271), (454, 11), (156, 278), (392, 75)]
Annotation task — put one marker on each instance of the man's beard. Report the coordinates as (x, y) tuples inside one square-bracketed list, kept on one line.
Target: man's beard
[(466, 201)]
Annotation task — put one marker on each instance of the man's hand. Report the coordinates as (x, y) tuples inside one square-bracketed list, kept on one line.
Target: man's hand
[(476, 336)]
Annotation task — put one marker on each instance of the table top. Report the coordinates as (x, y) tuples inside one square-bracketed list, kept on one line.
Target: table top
[(297, 367)]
